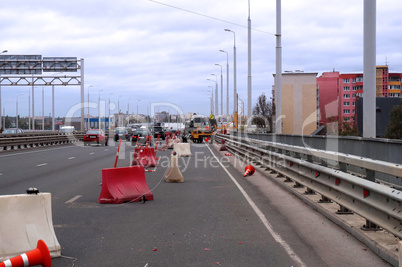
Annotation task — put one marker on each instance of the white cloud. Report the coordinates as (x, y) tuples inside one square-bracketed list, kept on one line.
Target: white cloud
[(152, 52)]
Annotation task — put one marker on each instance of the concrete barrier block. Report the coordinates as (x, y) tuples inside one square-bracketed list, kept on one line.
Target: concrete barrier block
[(24, 220)]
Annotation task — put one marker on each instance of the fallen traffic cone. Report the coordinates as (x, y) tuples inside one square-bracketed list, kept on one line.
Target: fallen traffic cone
[(249, 170), (223, 147), (38, 256)]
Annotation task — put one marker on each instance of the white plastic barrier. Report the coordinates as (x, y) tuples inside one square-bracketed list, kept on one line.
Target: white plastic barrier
[(173, 174), (24, 219), (182, 149), (171, 142)]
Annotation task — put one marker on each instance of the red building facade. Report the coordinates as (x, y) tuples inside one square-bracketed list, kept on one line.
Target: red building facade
[(338, 93)]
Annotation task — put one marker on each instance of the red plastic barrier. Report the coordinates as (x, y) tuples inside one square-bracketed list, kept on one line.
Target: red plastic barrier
[(125, 184), (146, 157)]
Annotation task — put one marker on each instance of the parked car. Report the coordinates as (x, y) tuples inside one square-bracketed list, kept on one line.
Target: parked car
[(95, 136), (121, 133), (12, 131), (67, 129), (141, 136), (158, 130)]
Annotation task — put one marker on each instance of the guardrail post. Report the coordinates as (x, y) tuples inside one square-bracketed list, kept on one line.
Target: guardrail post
[(370, 175), (309, 191), (343, 167), (370, 226), (324, 199), (344, 210)]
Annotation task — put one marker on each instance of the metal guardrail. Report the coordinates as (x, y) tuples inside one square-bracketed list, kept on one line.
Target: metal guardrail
[(380, 205), (35, 139)]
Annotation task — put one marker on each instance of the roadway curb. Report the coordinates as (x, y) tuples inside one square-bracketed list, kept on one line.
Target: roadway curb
[(359, 234), (378, 248)]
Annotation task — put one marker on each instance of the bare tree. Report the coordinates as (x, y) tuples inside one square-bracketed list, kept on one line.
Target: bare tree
[(263, 111)]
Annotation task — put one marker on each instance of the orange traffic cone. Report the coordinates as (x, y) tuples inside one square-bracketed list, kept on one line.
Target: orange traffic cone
[(249, 170), (38, 256)]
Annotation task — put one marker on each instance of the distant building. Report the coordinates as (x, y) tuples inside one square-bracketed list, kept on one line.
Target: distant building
[(338, 92), (299, 103)]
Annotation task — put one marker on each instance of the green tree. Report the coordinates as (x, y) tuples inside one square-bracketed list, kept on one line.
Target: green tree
[(394, 128), (263, 111)]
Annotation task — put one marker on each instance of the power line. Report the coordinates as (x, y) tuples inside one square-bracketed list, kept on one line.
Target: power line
[(209, 17)]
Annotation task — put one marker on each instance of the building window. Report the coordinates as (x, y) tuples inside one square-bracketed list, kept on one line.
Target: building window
[(346, 119), (354, 88), (354, 80), (346, 81), (346, 103), (346, 95), (359, 79), (359, 94), (353, 103), (354, 95), (346, 111), (394, 87), (353, 111), (346, 88)]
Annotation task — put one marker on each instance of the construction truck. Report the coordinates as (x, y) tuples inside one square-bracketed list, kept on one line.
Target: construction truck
[(200, 127)]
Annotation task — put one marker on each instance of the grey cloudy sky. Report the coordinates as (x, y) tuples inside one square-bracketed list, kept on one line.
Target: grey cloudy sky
[(151, 52)]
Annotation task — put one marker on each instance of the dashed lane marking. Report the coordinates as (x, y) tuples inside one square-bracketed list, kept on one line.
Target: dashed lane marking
[(42, 164), (71, 158), (91, 153), (73, 199)]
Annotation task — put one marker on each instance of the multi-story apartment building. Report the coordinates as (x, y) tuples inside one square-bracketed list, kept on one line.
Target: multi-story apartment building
[(338, 92)]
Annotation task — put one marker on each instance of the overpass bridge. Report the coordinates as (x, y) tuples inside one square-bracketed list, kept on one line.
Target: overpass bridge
[(218, 217)]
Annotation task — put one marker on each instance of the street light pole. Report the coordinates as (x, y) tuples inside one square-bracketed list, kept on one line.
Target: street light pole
[(137, 109), (227, 81), (16, 109), (4, 114), (212, 99), (216, 94), (118, 110), (221, 89), (249, 93), (53, 126), (99, 111), (109, 112), (88, 107), (43, 109), (234, 70), (1, 115)]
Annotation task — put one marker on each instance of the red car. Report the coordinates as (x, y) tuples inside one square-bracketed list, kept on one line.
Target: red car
[(95, 136)]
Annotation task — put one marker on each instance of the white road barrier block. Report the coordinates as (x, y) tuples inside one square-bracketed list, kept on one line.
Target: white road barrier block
[(24, 219), (182, 149), (170, 143), (173, 174)]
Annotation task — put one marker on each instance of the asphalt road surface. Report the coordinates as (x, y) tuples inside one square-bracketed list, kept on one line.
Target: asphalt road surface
[(216, 217)]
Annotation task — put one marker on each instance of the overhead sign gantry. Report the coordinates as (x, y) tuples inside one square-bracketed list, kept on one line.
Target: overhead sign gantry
[(27, 70)]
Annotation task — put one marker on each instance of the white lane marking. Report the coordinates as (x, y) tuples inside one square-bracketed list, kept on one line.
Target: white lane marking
[(262, 217), (42, 164), (1, 174), (36, 151), (107, 149), (71, 158), (91, 153), (73, 199)]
